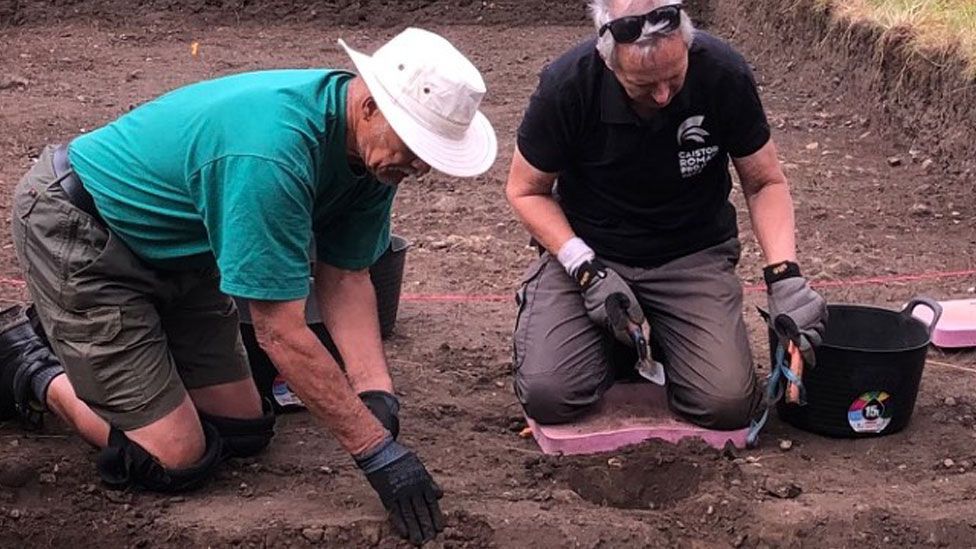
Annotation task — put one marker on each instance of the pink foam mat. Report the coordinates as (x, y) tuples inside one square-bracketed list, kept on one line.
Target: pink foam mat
[(629, 413), (956, 327)]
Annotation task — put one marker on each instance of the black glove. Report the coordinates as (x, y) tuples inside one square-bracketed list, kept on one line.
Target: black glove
[(406, 489), (790, 295), (598, 283), (386, 408)]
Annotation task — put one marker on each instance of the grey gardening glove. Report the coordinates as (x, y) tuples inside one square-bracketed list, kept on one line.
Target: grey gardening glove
[(791, 296), (597, 283)]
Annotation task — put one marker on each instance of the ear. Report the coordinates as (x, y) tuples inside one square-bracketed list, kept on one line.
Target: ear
[(369, 107)]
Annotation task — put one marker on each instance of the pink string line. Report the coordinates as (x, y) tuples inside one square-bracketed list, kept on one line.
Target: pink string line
[(504, 298)]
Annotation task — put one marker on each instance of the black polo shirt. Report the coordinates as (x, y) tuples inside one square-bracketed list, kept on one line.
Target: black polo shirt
[(645, 191)]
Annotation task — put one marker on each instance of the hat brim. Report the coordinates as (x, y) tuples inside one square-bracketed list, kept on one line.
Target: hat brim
[(469, 156)]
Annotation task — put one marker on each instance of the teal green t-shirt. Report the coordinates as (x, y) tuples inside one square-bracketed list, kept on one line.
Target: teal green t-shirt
[(242, 169)]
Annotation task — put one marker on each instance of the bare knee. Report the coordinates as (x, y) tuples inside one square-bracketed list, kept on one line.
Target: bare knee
[(176, 440)]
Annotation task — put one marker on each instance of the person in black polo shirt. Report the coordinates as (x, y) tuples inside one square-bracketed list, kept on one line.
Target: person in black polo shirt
[(621, 174)]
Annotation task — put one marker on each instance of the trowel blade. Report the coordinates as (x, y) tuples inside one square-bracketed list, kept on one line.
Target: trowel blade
[(652, 371)]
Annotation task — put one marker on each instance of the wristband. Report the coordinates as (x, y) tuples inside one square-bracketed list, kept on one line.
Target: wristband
[(384, 454), (780, 271), (573, 254)]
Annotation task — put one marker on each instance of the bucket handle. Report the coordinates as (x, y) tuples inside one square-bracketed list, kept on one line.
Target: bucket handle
[(927, 302)]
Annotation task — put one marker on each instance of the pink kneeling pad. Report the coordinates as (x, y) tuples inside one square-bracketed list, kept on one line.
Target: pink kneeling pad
[(956, 327), (629, 413)]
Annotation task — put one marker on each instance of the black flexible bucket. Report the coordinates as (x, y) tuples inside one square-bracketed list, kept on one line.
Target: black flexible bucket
[(868, 371), (387, 277)]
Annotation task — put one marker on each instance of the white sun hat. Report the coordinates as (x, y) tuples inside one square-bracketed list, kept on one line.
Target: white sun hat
[(430, 94)]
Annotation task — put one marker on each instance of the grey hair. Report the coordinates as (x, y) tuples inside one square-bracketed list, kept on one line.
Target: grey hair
[(649, 39)]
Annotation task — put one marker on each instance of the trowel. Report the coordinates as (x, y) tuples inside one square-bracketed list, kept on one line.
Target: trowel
[(640, 336)]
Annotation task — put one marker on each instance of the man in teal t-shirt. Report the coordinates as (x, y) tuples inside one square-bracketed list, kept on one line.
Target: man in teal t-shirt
[(133, 238)]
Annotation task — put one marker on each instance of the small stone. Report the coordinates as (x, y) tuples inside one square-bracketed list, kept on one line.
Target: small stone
[(47, 478), (710, 511), (565, 496), (813, 146), (739, 540), (786, 445), (894, 161), (15, 514), (446, 204), (372, 533), (927, 164), (948, 463), (787, 490), (921, 210), (14, 82), (326, 470), (313, 535), (842, 267), (616, 463), (949, 401)]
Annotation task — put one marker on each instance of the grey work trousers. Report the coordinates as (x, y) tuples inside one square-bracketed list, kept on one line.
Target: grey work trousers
[(563, 361)]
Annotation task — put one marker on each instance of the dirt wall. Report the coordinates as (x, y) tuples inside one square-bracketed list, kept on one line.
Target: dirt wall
[(341, 12), (920, 100)]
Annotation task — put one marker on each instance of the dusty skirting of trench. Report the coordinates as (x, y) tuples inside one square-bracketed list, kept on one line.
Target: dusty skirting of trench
[(920, 100)]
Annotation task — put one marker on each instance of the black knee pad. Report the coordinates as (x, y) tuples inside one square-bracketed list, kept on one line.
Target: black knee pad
[(124, 463), (244, 437)]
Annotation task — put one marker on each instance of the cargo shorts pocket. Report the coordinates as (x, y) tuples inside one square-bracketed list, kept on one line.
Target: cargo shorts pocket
[(86, 243), (88, 345), (523, 297)]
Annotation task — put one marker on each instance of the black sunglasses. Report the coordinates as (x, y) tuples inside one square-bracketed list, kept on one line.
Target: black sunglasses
[(628, 29)]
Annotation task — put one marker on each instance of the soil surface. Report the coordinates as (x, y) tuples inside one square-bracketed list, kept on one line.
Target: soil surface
[(867, 207)]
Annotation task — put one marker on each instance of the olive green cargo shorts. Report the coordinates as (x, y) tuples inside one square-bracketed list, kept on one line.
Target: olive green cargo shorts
[(132, 338)]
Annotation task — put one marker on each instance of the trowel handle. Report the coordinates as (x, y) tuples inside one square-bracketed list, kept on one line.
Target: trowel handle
[(796, 366)]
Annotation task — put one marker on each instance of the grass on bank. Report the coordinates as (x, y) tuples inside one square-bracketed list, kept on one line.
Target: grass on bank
[(939, 24)]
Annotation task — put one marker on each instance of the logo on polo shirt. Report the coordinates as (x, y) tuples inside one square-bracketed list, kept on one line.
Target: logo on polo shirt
[(691, 134), (692, 130)]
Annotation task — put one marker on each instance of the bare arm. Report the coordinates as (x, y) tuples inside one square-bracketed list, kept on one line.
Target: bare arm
[(770, 205), (529, 191), (348, 304), (312, 373)]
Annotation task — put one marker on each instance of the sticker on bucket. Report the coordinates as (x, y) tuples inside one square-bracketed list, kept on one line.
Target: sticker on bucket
[(283, 394), (871, 412)]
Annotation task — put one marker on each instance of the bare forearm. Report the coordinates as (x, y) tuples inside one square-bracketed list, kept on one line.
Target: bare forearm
[(529, 191), (348, 304), (771, 212), (544, 219), (316, 377)]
